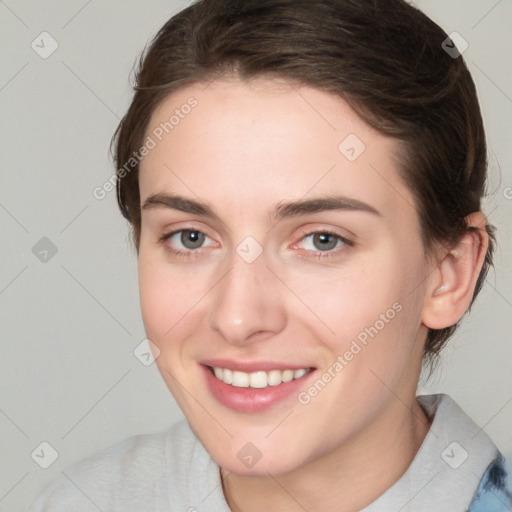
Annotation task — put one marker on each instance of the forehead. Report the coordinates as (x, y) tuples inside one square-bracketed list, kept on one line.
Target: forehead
[(263, 141)]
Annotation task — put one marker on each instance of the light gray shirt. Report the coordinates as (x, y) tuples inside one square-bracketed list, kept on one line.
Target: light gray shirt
[(172, 471)]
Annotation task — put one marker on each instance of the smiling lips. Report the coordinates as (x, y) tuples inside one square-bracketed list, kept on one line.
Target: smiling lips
[(253, 387)]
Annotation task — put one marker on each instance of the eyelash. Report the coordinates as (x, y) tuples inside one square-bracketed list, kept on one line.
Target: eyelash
[(193, 253)]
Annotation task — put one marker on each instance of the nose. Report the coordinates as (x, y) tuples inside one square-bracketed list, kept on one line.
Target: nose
[(247, 303)]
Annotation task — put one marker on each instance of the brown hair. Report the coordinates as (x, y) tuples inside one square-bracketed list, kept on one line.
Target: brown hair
[(384, 57)]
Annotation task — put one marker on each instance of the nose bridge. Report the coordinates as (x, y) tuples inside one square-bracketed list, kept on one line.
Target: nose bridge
[(247, 298)]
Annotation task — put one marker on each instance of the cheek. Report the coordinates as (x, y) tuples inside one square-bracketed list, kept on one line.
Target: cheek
[(167, 295), (166, 300), (353, 297), (162, 298), (372, 310), (155, 298)]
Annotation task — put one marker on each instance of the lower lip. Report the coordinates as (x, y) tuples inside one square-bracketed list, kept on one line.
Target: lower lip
[(251, 399)]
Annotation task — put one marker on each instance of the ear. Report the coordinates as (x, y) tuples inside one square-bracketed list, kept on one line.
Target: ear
[(451, 285)]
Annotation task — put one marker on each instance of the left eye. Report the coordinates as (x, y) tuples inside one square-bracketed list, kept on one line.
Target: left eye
[(324, 241)]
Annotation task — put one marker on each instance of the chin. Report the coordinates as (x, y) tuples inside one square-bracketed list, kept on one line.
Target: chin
[(262, 468)]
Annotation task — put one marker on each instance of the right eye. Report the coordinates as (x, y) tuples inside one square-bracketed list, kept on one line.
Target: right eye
[(190, 239)]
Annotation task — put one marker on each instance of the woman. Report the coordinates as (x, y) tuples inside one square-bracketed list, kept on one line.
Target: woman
[(304, 184)]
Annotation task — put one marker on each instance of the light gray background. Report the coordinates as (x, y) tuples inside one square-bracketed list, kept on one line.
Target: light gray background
[(69, 326)]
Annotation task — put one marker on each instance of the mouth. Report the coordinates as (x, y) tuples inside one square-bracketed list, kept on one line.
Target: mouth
[(257, 390)]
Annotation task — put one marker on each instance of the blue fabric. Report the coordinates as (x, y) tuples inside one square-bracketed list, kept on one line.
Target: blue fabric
[(493, 494)]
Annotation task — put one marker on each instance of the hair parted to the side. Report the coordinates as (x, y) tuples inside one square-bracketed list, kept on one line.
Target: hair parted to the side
[(383, 57)]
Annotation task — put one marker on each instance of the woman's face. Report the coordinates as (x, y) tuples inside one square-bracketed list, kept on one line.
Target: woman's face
[(277, 235)]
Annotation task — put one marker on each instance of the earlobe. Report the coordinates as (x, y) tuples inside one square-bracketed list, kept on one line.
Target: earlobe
[(451, 286)]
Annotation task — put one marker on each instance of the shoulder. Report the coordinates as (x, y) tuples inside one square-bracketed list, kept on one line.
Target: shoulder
[(494, 492), (466, 448), (127, 476), (454, 457)]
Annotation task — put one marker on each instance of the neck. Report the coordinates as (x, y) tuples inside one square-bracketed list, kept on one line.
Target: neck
[(346, 479)]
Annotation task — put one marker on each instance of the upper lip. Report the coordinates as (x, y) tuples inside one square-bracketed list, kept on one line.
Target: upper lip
[(252, 366)]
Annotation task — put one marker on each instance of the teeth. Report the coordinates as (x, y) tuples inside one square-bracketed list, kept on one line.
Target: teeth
[(227, 376), (259, 379), (299, 373), (287, 375), (274, 377), (240, 379)]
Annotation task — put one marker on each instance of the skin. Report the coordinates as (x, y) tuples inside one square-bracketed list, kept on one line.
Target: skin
[(246, 147)]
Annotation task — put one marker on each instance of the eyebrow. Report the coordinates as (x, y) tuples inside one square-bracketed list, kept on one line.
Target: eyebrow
[(281, 211)]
